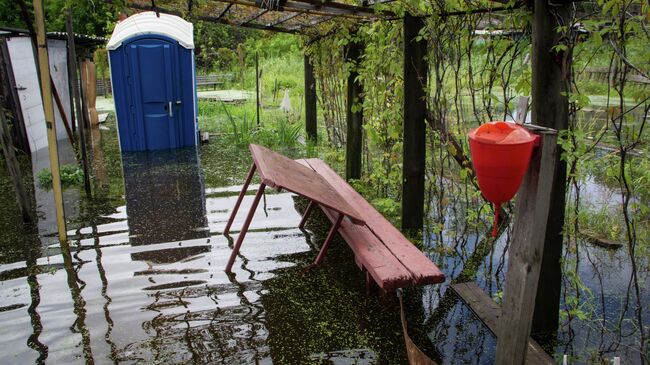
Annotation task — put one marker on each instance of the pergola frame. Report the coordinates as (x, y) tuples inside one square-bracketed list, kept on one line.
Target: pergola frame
[(549, 109), (285, 16)]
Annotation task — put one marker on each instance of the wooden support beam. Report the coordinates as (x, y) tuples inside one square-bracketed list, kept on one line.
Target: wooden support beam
[(224, 11), (253, 17), (74, 93), (311, 122), (353, 12), (215, 19), (550, 108), (16, 176), (72, 71), (338, 8), (415, 109), (313, 23), (353, 144), (50, 123), (64, 117), (284, 19), (71, 76), (10, 95), (90, 89), (525, 253)]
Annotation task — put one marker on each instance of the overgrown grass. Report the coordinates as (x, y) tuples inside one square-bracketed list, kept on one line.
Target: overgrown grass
[(71, 175), (281, 69)]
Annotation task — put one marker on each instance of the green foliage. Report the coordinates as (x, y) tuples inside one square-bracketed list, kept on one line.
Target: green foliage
[(100, 57), (226, 58), (95, 18), (212, 43), (71, 175), (578, 303)]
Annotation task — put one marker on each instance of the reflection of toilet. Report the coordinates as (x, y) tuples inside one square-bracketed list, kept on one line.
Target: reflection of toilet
[(165, 202), (169, 255)]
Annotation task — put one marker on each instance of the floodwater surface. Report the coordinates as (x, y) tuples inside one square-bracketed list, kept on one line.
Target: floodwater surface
[(142, 279)]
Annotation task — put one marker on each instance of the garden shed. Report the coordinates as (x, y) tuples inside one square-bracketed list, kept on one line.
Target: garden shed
[(152, 70)]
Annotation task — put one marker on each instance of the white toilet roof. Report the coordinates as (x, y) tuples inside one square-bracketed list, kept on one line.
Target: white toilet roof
[(148, 23)]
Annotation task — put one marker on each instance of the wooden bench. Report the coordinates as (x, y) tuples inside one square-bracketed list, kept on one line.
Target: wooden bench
[(382, 251)]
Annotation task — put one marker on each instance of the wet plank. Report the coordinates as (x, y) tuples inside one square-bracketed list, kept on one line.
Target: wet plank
[(525, 254), (489, 313), (281, 172), (422, 270), (371, 254), (600, 241)]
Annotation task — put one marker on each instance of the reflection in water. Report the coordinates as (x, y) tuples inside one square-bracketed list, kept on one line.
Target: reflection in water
[(165, 196), (99, 165), (144, 282), (35, 318), (79, 325), (104, 293)]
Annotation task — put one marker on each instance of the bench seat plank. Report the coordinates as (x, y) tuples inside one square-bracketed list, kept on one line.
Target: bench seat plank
[(371, 254), (422, 270), (280, 172)]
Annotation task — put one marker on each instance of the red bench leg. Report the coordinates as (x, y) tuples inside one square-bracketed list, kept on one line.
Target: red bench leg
[(328, 240), (244, 188), (305, 216), (244, 229)]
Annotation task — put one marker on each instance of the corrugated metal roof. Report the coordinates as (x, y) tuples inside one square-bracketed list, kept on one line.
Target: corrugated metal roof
[(81, 40)]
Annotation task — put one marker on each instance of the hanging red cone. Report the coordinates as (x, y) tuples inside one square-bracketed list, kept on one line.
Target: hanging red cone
[(500, 154)]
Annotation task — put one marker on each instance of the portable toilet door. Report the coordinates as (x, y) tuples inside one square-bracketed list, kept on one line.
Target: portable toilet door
[(152, 71)]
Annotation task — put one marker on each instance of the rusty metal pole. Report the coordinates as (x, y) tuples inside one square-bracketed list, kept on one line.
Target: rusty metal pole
[(240, 198), (244, 228)]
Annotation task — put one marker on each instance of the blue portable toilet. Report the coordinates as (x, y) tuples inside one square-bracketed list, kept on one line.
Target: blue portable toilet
[(152, 71)]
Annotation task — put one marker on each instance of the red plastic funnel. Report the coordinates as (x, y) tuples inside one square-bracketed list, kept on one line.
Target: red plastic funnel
[(500, 154)]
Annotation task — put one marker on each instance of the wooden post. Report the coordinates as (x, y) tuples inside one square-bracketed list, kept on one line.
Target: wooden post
[(74, 92), (550, 109), (82, 94), (24, 201), (353, 145), (11, 99), (257, 87), (50, 123), (64, 117), (72, 75), (415, 106), (90, 90), (525, 253), (310, 102)]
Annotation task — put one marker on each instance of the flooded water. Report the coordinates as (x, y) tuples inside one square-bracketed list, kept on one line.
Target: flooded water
[(142, 279)]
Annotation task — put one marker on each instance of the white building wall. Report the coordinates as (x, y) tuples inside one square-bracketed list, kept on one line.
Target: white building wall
[(28, 88), (29, 94)]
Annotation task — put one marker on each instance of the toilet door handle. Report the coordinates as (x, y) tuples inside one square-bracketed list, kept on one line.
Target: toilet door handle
[(169, 109)]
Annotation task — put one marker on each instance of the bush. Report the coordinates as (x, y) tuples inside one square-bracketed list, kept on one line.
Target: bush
[(71, 175)]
